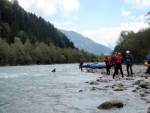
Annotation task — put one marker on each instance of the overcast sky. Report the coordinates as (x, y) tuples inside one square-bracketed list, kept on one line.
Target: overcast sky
[(100, 20)]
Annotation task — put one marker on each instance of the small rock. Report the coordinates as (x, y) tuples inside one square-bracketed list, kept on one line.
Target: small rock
[(118, 89)]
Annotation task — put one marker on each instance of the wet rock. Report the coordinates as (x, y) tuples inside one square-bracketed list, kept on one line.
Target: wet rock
[(147, 76), (148, 101), (105, 105), (111, 104), (137, 82), (147, 87), (134, 90), (106, 86), (118, 84), (147, 92), (93, 88), (138, 88), (117, 103), (104, 80), (144, 85), (118, 89), (143, 95), (94, 83), (130, 78), (80, 90)]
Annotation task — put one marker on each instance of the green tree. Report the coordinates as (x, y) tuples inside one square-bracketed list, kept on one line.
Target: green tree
[(4, 52)]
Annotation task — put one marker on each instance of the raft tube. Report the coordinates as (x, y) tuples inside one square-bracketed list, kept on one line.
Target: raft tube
[(94, 66)]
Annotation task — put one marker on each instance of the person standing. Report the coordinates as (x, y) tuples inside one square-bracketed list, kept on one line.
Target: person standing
[(107, 62), (129, 61), (148, 61), (112, 61), (118, 64), (81, 63)]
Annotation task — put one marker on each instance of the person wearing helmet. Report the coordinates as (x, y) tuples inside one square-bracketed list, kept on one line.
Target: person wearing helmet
[(112, 61), (118, 64), (107, 62), (129, 61)]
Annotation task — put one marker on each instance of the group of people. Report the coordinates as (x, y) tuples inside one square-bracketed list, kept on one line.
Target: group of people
[(116, 61)]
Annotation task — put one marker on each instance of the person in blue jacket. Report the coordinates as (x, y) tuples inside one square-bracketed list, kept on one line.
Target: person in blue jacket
[(148, 61), (129, 62)]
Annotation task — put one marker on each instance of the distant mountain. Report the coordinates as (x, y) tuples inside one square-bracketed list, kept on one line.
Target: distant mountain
[(86, 44)]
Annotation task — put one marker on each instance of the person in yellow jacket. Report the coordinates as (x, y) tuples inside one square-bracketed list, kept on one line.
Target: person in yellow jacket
[(145, 63)]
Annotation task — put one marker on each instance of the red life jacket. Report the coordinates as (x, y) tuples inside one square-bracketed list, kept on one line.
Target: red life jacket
[(107, 60), (113, 59), (118, 59)]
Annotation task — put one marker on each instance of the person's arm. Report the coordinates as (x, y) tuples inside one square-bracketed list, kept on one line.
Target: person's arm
[(132, 60)]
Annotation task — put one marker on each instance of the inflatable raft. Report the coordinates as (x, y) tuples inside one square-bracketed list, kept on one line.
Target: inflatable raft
[(94, 65)]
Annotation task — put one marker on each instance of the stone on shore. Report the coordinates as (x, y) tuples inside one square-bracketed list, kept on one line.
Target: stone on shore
[(111, 104)]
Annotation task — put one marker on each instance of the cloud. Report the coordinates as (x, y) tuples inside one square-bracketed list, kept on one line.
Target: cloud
[(139, 4), (67, 6), (125, 13), (109, 36), (45, 8)]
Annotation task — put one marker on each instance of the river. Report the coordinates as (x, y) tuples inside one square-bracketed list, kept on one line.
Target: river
[(35, 89)]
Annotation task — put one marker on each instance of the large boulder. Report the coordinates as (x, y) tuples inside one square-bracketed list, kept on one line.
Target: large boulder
[(111, 104), (105, 105)]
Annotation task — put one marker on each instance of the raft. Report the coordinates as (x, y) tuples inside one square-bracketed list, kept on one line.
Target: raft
[(94, 65)]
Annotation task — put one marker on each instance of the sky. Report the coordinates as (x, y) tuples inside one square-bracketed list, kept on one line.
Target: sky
[(100, 20)]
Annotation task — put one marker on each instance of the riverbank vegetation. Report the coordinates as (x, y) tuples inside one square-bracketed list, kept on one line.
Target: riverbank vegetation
[(137, 43)]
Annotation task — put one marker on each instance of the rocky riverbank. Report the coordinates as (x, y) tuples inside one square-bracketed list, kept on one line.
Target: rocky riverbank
[(138, 85)]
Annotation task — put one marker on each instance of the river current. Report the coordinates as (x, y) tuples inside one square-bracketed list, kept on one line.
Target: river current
[(35, 89)]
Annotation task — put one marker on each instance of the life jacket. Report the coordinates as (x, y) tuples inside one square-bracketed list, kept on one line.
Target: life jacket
[(107, 60), (118, 59), (128, 58), (113, 59)]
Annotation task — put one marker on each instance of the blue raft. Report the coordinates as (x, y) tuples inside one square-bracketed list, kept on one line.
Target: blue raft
[(94, 65)]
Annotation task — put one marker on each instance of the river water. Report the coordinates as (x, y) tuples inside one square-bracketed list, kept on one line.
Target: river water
[(35, 89)]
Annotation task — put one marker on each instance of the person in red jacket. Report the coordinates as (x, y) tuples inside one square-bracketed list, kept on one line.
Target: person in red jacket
[(107, 62), (118, 64)]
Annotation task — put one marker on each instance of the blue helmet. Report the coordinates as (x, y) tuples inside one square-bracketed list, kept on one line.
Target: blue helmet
[(115, 52)]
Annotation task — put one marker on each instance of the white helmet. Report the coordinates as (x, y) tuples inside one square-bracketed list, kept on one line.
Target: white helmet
[(106, 55), (127, 52)]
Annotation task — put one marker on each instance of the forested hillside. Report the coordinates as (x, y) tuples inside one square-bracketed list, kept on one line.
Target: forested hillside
[(28, 39), (15, 22), (137, 43)]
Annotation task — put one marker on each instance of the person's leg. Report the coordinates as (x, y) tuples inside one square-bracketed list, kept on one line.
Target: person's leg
[(128, 69), (116, 71), (108, 69), (148, 70), (120, 68), (131, 70)]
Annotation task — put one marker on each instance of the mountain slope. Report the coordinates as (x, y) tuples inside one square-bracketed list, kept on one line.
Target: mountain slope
[(86, 44)]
